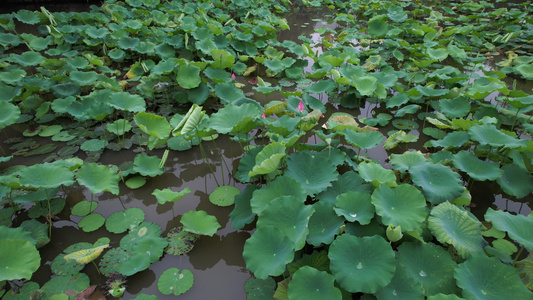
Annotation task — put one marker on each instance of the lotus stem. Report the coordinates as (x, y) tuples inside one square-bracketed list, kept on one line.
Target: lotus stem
[(517, 255), (205, 158), (515, 118), (223, 161), (49, 213), (97, 269)]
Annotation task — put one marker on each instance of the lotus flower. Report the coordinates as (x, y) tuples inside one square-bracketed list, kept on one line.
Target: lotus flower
[(300, 107)]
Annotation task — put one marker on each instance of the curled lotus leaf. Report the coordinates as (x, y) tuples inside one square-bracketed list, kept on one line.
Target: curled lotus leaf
[(167, 195), (268, 159), (85, 256)]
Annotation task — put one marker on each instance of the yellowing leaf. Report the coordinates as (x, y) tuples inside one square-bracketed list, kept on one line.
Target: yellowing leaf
[(85, 256)]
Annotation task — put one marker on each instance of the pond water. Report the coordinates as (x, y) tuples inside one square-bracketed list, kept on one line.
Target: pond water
[(216, 262)]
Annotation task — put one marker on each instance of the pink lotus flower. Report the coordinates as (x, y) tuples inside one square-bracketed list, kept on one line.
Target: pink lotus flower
[(263, 116), (233, 76), (300, 107)]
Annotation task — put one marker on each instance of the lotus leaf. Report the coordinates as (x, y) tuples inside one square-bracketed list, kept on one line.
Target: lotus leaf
[(85, 256), (98, 178), (83, 78), (259, 289), (84, 208), (137, 262), (38, 231), (119, 127), (175, 281), (189, 76), (404, 124), (42, 208), (51, 130), (349, 181), (233, 118), (429, 265), (180, 241), (93, 145), (200, 222), (451, 140), (438, 182), (291, 216), (120, 221), (147, 165), (366, 85), (324, 224), (362, 264), (27, 59), (439, 54), (267, 252), (516, 226), (167, 195), (475, 168), (145, 238), (242, 213), (268, 159), (483, 277), (363, 140), (228, 92), (60, 284), (322, 86), (224, 195), (322, 284), (403, 206), (46, 176), (127, 102), (355, 206), (111, 260), (401, 286), (403, 162), (126, 42), (488, 134), (91, 222), (222, 59), (516, 181), (314, 173), (452, 225), (398, 137), (376, 174), (431, 92), (377, 26), (16, 234), (9, 114)]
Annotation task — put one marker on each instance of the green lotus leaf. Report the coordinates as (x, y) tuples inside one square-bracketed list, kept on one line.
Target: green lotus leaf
[(438, 182), (117, 54), (127, 42), (146, 239), (83, 78), (483, 277), (349, 181), (475, 168), (38, 231), (366, 85), (65, 90), (91, 222), (312, 171), (63, 267), (242, 212), (404, 124), (85, 256), (27, 16), (147, 165), (75, 283), (451, 140), (42, 208), (119, 127), (120, 221), (246, 164), (27, 59), (228, 92), (268, 159), (199, 222), (135, 182), (284, 125), (363, 140), (222, 59), (355, 206), (376, 174), (111, 259), (405, 161), (98, 178), (439, 54), (321, 86), (517, 226), (153, 124), (128, 102), (259, 289), (189, 76), (97, 33), (175, 281), (84, 208), (217, 75), (279, 65), (403, 206), (167, 195), (224, 195), (46, 176), (488, 134), (281, 186), (485, 86), (16, 234), (455, 108), (516, 181), (180, 241), (526, 70), (429, 265), (402, 286), (322, 284), (9, 114), (41, 150), (8, 92), (406, 110), (525, 268), (324, 224), (164, 67), (449, 224), (50, 130), (398, 137), (19, 259), (190, 121), (431, 92), (362, 264), (291, 216), (397, 14), (267, 252), (137, 262), (377, 26), (233, 118)]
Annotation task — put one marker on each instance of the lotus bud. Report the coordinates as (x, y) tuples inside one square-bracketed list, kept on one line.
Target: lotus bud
[(301, 106), (394, 234), (233, 76)]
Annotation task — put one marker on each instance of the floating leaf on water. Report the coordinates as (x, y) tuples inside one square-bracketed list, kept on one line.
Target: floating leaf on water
[(98, 178), (179, 241), (91, 222), (438, 182), (404, 124), (322, 284), (84, 208), (111, 259), (135, 182), (314, 173), (63, 267), (355, 206), (120, 221), (175, 281), (85, 256), (516, 226), (199, 222), (147, 165), (224, 195), (167, 195), (260, 289)]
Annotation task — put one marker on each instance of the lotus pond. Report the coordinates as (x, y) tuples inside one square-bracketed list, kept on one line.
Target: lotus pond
[(267, 149)]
